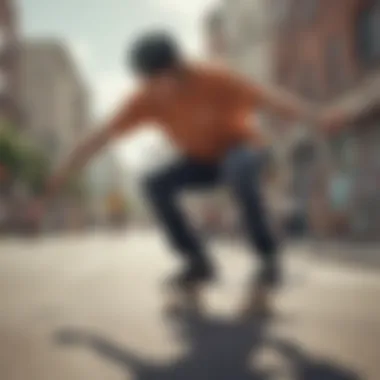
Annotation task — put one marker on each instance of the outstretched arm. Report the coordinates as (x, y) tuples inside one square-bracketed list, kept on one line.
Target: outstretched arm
[(130, 114), (284, 104), (78, 158), (289, 107)]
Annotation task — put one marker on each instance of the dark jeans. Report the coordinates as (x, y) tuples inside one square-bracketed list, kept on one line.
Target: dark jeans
[(240, 170)]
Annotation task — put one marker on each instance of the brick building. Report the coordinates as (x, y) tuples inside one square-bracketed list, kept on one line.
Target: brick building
[(8, 60), (329, 52)]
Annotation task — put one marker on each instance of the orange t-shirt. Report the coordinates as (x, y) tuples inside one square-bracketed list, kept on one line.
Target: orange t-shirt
[(207, 118)]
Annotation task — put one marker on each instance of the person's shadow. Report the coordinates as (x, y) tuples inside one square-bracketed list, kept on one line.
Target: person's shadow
[(219, 349)]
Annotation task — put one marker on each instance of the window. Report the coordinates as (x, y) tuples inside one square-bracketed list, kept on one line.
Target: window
[(281, 11), (247, 27), (335, 65), (230, 34), (3, 40), (368, 34), (376, 28), (304, 154), (306, 85), (308, 9), (344, 148), (3, 82), (363, 36)]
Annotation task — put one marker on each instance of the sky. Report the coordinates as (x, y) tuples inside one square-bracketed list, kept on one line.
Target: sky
[(99, 32)]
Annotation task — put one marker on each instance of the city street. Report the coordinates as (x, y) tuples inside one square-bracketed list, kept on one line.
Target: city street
[(91, 307)]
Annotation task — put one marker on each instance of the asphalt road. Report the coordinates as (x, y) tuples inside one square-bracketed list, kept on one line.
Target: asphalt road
[(90, 307)]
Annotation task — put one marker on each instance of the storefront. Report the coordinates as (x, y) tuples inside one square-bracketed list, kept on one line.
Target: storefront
[(304, 176), (366, 222), (353, 184), (340, 184)]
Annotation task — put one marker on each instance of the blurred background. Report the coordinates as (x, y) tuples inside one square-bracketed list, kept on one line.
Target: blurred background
[(62, 73), (91, 275)]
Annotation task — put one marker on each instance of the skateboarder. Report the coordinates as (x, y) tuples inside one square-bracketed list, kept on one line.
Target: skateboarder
[(205, 112)]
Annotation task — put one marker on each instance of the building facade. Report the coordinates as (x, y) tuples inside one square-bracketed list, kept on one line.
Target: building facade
[(251, 27), (215, 35), (249, 33), (54, 114), (240, 36), (106, 180), (328, 52), (9, 42), (53, 98)]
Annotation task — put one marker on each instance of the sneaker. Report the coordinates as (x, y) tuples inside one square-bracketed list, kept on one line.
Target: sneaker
[(186, 289), (195, 274)]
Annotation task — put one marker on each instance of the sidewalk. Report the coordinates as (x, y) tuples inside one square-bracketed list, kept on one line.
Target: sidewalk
[(357, 253)]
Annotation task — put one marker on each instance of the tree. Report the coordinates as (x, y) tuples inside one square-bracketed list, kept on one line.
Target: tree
[(22, 160), (8, 150), (34, 167)]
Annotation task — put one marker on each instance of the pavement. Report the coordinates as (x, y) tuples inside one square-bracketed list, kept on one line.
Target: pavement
[(91, 307), (364, 254)]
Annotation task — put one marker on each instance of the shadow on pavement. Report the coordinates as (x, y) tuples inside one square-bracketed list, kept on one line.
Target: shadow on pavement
[(219, 349)]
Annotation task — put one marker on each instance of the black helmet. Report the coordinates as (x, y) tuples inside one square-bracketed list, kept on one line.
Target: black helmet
[(153, 53)]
